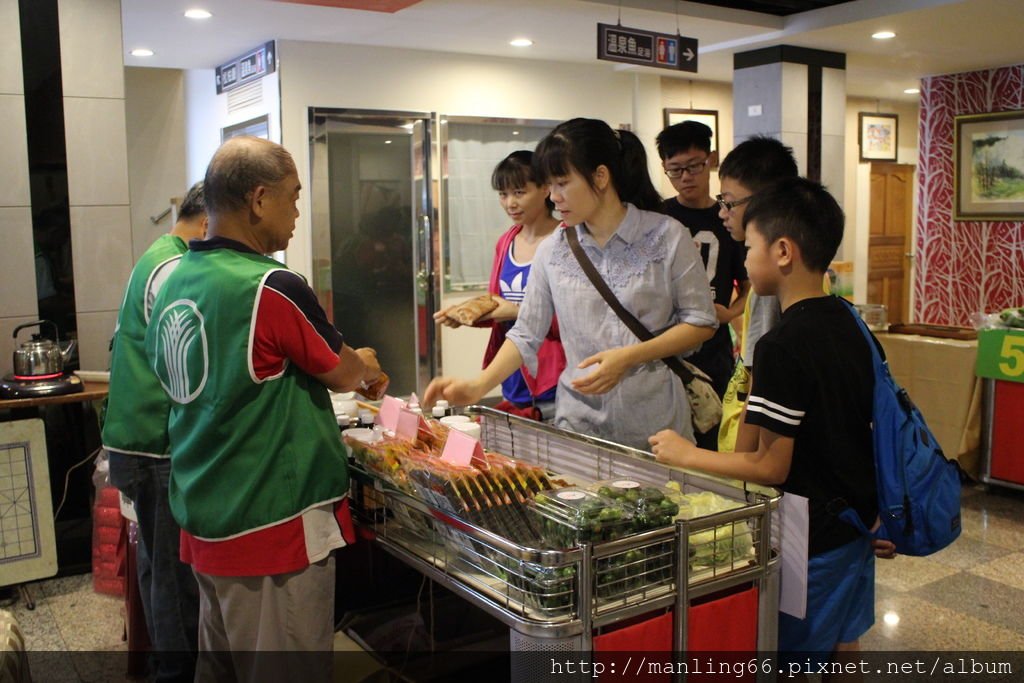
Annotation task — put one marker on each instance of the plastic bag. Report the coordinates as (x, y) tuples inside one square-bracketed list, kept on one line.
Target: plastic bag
[(101, 473), (1006, 318)]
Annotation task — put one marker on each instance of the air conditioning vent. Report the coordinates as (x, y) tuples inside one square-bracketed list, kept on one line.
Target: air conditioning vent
[(244, 97)]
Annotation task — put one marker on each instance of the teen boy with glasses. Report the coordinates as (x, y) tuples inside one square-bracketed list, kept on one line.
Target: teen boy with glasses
[(686, 156)]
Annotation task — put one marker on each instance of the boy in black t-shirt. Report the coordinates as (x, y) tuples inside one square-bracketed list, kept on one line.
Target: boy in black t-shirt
[(686, 156), (811, 402)]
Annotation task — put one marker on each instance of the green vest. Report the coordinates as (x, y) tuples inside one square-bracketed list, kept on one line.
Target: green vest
[(245, 453), (137, 407)]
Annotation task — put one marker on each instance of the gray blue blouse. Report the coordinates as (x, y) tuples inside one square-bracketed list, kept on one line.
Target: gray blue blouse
[(652, 266)]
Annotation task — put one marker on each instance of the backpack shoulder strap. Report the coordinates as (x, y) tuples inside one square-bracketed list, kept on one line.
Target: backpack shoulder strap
[(877, 352)]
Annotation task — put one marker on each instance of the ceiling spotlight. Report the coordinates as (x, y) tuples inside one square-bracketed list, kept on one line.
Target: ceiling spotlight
[(891, 618), (515, 132), (521, 42), (142, 52), (912, 91), (197, 14), (387, 142), (883, 35)]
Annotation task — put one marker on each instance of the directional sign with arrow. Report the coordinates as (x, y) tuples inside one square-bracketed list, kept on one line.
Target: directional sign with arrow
[(636, 46)]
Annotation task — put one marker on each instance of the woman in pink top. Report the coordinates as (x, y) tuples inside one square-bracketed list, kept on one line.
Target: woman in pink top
[(529, 207)]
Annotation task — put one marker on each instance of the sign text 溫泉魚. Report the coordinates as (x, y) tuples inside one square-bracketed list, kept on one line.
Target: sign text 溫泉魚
[(647, 48)]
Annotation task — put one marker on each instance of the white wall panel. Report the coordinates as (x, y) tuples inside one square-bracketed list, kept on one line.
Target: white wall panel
[(102, 252), (14, 190), (17, 263), (97, 151), (91, 59), (11, 79), (94, 333), (155, 123)]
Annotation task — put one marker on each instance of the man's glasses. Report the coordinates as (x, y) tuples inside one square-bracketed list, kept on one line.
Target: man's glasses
[(692, 169), (729, 206)]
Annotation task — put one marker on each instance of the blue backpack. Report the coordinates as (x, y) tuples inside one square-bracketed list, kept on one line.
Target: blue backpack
[(918, 488)]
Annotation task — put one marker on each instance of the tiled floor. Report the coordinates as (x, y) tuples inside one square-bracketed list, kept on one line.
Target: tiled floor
[(968, 597), (69, 618)]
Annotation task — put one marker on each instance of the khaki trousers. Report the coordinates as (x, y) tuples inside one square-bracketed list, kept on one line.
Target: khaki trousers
[(254, 629)]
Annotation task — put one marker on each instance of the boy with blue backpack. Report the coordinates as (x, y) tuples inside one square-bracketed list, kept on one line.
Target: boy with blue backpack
[(811, 402)]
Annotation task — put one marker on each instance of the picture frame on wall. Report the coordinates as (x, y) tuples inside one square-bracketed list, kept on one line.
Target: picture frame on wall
[(988, 177), (878, 136), (708, 117)]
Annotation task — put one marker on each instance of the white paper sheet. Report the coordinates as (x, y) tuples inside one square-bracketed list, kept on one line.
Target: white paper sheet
[(793, 592)]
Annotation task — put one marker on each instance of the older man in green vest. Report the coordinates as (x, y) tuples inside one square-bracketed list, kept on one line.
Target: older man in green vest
[(258, 480)]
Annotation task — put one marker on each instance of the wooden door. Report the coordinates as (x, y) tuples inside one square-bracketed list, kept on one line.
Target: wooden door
[(890, 249)]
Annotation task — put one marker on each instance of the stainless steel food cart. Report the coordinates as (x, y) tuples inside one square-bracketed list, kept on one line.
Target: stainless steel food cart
[(557, 600)]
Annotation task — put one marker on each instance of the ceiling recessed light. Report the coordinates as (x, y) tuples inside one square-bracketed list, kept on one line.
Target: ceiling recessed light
[(387, 142), (912, 91), (142, 52), (883, 35), (521, 42), (891, 618), (197, 14), (515, 132)]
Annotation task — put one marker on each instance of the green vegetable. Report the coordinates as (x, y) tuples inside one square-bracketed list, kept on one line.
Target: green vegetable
[(721, 545)]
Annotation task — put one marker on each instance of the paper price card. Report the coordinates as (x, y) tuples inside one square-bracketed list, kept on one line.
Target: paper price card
[(1001, 355), (461, 449), (408, 424), (390, 409)]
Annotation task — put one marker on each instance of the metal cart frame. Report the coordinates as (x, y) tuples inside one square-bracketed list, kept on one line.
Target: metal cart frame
[(501, 576)]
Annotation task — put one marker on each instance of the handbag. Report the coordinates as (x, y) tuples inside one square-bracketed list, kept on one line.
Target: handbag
[(733, 402), (705, 405)]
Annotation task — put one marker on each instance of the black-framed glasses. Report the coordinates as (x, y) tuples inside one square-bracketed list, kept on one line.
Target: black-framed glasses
[(692, 169), (730, 205)]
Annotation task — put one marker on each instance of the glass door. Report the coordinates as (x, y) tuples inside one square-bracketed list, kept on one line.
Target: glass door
[(373, 235)]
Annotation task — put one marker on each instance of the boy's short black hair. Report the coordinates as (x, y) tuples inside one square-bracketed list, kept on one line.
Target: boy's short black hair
[(194, 203), (758, 162), (682, 137), (803, 211)]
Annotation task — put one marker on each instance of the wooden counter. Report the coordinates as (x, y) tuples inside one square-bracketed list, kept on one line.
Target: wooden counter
[(93, 391)]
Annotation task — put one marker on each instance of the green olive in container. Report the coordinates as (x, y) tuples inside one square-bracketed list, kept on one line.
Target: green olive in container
[(551, 590), (569, 516), (652, 506)]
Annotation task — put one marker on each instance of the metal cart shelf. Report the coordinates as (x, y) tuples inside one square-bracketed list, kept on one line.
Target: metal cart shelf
[(555, 600)]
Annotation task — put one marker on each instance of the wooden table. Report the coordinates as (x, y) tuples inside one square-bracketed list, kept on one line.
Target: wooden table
[(939, 376), (93, 391)]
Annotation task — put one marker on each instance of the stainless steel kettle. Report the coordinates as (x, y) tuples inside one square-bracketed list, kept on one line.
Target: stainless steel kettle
[(40, 357)]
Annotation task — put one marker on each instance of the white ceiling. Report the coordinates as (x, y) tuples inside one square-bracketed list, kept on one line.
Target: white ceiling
[(933, 36)]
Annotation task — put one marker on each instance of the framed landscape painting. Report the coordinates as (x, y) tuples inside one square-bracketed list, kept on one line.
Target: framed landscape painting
[(988, 179), (878, 136)]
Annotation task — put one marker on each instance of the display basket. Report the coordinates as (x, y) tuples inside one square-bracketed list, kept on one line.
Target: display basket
[(567, 594)]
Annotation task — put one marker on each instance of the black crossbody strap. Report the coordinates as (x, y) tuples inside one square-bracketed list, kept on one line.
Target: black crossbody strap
[(628, 318)]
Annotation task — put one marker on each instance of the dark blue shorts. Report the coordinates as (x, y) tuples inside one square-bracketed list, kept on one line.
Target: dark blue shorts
[(840, 600)]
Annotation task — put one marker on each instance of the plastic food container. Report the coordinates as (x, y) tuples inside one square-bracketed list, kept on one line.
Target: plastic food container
[(652, 506), (551, 590), (721, 546), (569, 516)]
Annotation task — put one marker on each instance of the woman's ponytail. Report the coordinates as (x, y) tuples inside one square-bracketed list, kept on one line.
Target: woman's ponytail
[(634, 183)]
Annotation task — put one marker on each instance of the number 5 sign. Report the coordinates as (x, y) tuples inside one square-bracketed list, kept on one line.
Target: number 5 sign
[(1001, 355)]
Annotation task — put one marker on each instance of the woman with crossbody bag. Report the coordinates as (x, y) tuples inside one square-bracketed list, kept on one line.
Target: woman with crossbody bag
[(615, 386)]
